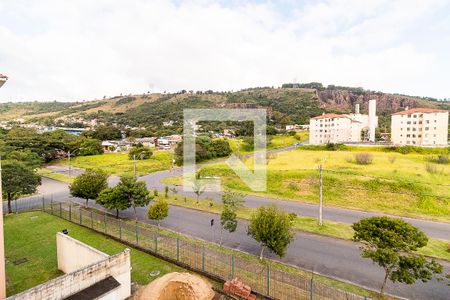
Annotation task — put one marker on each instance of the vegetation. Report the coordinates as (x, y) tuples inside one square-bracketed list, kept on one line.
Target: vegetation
[(89, 185), (205, 148), (158, 211), (18, 179), (390, 243), (119, 163), (104, 133), (363, 158), (228, 218), (111, 199), (272, 228), (133, 191), (413, 190), (140, 152), (32, 236)]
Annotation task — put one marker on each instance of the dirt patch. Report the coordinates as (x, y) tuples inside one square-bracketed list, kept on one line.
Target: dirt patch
[(180, 286)]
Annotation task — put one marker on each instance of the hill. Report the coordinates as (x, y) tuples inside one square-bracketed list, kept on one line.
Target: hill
[(286, 105)]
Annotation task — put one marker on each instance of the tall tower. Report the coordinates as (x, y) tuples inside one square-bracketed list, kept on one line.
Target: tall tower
[(3, 79), (372, 119)]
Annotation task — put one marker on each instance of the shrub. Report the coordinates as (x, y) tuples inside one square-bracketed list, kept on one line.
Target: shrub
[(349, 159), (363, 158), (431, 168), (392, 159), (140, 152), (442, 159), (293, 186)]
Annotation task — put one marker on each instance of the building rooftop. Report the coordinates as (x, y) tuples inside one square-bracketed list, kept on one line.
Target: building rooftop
[(330, 116), (419, 110)]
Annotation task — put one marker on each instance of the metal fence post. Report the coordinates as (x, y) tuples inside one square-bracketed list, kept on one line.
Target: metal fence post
[(51, 205), (81, 217), (15, 202), (156, 244), (92, 220), (268, 280), (104, 220), (60, 209), (70, 212), (232, 266), (43, 203), (311, 288), (178, 249), (203, 259)]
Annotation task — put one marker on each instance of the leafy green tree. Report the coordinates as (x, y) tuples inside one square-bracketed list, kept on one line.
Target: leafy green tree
[(390, 243), (272, 228), (135, 192), (89, 184), (233, 199), (166, 191), (26, 156), (90, 146), (158, 211), (104, 132), (110, 199), (198, 187), (140, 152), (18, 179), (228, 221)]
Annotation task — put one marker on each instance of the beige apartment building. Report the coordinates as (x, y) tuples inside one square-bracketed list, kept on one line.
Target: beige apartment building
[(420, 127), (345, 128)]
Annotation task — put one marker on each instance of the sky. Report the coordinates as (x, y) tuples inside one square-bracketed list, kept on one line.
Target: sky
[(83, 50)]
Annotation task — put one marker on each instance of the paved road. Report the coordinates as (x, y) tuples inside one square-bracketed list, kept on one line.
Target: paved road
[(328, 256), (437, 230)]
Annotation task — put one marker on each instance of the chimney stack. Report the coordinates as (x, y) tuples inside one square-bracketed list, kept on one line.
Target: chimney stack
[(372, 119)]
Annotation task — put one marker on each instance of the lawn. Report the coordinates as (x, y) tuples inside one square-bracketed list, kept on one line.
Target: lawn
[(119, 163), (394, 183), (55, 175), (274, 142), (32, 236)]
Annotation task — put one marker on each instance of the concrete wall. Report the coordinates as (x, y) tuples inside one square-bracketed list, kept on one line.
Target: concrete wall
[(74, 255), (117, 266)]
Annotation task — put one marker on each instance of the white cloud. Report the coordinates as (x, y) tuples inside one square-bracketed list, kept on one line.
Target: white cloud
[(74, 50)]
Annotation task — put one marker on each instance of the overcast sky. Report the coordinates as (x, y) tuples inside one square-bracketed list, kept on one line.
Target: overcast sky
[(82, 50)]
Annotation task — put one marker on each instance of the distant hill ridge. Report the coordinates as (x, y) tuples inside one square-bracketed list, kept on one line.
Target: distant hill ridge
[(292, 103)]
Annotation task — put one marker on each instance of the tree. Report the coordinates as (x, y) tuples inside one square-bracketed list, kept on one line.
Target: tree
[(89, 184), (390, 243), (104, 133), (158, 211), (110, 199), (90, 146), (272, 228), (198, 187), (140, 152), (18, 179), (135, 192), (228, 221), (233, 199)]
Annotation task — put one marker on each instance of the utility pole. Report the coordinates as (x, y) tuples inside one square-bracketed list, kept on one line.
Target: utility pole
[(70, 166), (134, 166), (320, 194)]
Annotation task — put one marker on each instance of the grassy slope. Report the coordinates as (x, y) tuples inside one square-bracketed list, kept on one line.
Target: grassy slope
[(32, 235), (293, 175), (119, 163)]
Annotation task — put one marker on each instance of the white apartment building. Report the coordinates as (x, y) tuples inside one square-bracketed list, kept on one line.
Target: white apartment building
[(345, 128), (420, 127)]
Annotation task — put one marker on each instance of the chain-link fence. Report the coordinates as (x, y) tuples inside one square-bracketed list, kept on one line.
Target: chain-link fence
[(263, 278)]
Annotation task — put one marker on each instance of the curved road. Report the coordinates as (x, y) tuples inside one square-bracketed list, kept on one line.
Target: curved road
[(332, 257)]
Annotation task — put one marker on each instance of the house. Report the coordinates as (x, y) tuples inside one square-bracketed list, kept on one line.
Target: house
[(344, 128), (426, 127)]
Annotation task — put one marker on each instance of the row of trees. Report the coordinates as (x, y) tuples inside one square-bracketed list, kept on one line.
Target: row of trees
[(390, 243)]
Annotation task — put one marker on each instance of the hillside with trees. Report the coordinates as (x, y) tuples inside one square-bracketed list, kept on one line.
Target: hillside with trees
[(292, 103)]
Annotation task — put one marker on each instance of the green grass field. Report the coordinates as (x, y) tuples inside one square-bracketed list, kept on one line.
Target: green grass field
[(276, 142), (32, 236), (394, 183), (119, 163)]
